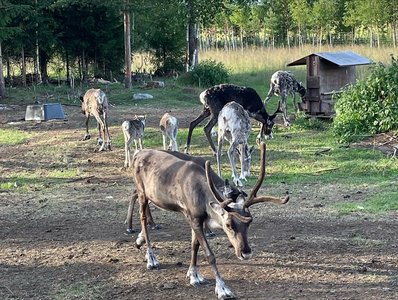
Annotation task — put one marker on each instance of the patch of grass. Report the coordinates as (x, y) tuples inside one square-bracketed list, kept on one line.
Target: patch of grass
[(25, 180), (382, 202), (11, 137), (78, 290)]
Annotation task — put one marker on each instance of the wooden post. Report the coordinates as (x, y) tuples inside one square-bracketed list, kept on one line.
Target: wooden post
[(127, 46)]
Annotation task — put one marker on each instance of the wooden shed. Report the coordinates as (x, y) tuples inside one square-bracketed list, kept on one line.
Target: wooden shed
[(327, 74)]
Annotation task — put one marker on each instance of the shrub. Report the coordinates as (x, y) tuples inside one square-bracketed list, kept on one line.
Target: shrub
[(370, 106), (208, 73)]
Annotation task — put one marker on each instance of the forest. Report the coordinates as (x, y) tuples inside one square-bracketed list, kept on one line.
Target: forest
[(87, 37)]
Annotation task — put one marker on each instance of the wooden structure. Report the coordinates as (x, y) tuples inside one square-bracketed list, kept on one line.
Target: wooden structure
[(327, 74)]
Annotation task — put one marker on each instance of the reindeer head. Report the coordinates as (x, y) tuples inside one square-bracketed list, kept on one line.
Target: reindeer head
[(235, 215), (301, 90)]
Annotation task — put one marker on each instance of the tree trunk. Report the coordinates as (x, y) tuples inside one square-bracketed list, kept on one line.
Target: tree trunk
[(127, 46), (192, 37), (2, 84), (192, 45), (23, 67)]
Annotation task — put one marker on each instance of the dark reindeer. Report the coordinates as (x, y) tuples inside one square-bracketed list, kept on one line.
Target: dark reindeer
[(183, 186), (214, 99), (282, 84), (95, 103)]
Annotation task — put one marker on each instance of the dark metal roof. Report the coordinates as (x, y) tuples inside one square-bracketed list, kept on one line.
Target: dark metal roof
[(341, 59)]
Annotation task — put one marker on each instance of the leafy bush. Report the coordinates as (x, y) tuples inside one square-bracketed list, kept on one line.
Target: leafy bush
[(370, 106), (208, 73)]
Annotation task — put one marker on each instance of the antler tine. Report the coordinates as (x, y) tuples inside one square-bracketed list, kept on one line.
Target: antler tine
[(220, 199), (272, 199), (257, 186)]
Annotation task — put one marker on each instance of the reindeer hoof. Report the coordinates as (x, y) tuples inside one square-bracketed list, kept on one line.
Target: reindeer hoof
[(130, 231), (210, 234), (155, 227), (87, 137)]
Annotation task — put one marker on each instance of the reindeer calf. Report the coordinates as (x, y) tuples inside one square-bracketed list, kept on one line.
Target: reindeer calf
[(234, 126), (169, 128), (95, 103), (132, 130), (282, 84)]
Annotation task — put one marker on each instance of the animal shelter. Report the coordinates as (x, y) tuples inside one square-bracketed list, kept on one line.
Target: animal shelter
[(327, 75)]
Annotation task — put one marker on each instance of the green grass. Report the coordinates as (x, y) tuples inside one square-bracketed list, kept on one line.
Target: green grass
[(382, 202), (23, 180), (11, 137)]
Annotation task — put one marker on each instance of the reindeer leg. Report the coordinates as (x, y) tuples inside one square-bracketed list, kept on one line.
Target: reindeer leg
[(220, 144), (152, 262), (164, 141), (150, 220), (221, 290), (231, 156), (296, 108), (243, 156), (195, 278), (87, 136), (127, 162), (106, 131), (284, 110), (205, 113), (101, 129), (207, 130), (129, 219)]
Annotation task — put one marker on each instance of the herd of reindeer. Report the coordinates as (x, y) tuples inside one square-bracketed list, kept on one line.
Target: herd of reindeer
[(180, 182)]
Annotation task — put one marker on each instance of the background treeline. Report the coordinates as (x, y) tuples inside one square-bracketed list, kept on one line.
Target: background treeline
[(85, 38)]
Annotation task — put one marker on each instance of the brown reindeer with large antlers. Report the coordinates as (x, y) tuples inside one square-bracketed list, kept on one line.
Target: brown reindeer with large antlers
[(183, 186)]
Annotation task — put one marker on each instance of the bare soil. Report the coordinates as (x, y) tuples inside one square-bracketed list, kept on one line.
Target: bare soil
[(65, 238)]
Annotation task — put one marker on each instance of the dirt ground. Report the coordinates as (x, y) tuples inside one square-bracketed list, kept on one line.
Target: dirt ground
[(65, 239)]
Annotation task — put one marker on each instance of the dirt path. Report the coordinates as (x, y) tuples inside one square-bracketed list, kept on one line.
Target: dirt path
[(64, 239)]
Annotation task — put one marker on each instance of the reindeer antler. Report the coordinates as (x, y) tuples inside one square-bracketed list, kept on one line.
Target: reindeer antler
[(276, 200), (253, 199), (221, 200), (260, 179)]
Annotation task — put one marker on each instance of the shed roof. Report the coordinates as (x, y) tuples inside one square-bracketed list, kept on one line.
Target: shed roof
[(341, 59)]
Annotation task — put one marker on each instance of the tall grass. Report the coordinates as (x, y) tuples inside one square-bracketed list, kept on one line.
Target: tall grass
[(254, 66)]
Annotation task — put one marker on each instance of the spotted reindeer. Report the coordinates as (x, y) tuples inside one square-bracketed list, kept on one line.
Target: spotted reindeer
[(234, 126), (95, 103), (282, 84)]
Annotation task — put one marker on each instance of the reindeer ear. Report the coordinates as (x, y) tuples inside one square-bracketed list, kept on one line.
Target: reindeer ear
[(217, 208)]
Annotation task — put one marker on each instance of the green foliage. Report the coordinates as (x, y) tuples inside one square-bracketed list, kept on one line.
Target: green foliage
[(370, 106), (209, 72)]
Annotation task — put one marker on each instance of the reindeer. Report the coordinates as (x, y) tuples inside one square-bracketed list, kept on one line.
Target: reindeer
[(95, 103), (214, 99), (282, 84), (234, 126), (169, 128), (183, 186), (229, 191), (133, 130)]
